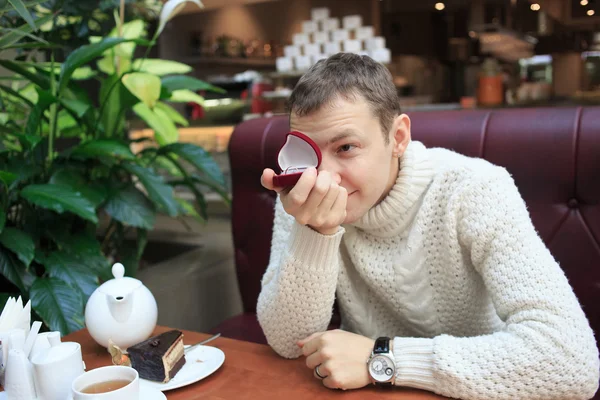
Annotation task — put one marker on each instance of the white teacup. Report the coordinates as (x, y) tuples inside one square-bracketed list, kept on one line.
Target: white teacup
[(106, 374)]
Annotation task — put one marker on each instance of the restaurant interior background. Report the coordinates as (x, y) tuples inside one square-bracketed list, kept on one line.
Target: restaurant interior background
[(443, 55)]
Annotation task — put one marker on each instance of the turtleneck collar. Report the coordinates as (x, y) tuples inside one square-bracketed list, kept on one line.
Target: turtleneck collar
[(392, 215)]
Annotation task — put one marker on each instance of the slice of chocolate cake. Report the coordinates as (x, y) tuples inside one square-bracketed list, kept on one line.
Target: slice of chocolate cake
[(160, 357)]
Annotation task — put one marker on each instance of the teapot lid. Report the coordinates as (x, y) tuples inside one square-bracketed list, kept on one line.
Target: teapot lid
[(121, 285)]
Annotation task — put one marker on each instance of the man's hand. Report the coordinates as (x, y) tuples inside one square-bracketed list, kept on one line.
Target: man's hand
[(317, 200), (341, 357)]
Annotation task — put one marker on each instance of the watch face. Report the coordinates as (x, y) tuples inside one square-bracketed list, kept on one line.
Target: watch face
[(381, 368)]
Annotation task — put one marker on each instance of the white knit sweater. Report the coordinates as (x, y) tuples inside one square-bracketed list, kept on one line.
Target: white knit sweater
[(450, 265)]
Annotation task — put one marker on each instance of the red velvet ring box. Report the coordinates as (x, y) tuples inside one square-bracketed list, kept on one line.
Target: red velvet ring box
[(297, 154)]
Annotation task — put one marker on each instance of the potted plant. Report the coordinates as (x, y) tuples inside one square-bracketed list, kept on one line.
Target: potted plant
[(52, 199)]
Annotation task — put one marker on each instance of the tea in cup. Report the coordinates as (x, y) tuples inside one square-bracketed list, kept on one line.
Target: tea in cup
[(107, 383)]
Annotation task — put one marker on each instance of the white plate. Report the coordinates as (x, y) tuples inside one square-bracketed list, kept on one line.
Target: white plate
[(146, 393), (199, 363), (150, 393)]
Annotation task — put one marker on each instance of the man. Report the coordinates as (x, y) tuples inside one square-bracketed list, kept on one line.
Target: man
[(430, 252)]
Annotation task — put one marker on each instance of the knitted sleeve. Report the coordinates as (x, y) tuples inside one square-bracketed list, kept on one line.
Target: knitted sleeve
[(547, 348), (298, 287)]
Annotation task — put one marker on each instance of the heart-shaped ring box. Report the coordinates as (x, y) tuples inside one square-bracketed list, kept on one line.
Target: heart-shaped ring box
[(297, 154)]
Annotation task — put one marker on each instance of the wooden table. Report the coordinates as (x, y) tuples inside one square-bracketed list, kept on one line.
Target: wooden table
[(251, 371)]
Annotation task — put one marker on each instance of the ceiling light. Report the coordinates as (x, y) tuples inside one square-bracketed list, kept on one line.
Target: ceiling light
[(584, 2), (440, 6), (535, 7), (590, 12)]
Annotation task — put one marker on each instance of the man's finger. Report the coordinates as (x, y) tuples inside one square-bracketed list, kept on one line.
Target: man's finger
[(311, 337), (328, 381), (267, 180), (312, 345), (318, 193), (303, 187), (313, 360)]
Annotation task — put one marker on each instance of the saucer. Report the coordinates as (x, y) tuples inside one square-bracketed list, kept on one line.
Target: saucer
[(199, 363), (150, 393)]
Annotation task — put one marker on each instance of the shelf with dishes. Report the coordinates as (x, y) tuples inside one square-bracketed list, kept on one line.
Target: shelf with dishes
[(237, 61)]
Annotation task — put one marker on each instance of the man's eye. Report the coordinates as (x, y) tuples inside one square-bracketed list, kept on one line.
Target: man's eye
[(346, 148)]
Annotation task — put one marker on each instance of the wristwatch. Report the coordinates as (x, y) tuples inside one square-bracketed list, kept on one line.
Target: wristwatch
[(381, 364)]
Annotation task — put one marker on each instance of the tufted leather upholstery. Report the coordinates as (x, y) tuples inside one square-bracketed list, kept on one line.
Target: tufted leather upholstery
[(552, 153)]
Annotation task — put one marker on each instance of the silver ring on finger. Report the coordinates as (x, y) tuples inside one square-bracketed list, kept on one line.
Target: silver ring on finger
[(319, 374)]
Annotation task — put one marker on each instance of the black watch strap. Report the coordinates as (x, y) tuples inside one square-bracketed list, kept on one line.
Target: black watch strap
[(382, 345)]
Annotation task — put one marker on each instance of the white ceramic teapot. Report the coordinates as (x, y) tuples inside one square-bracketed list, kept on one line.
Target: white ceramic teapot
[(122, 310)]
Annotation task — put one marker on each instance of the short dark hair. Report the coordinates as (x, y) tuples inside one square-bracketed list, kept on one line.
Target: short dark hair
[(347, 75)]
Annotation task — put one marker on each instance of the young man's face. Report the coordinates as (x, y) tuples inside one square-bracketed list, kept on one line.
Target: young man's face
[(353, 147)]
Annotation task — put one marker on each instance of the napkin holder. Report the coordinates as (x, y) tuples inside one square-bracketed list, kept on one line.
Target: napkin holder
[(298, 153)]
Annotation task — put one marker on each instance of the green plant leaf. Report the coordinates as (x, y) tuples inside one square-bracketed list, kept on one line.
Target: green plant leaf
[(29, 141), (83, 55), (19, 243), (170, 9), (72, 178), (86, 248), (178, 82), (60, 198), (163, 163), (198, 157), (131, 207), (68, 125), (17, 34), (20, 169), (7, 177), (17, 95), (165, 131), (160, 67), (29, 4), (172, 113), (158, 191), (217, 188), (187, 208), (82, 73), (2, 219), (106, 64), (142, 241), (45, 99), (58, 305), (109, 148), (76, 106), (23, 12), (113, 103), (186, 96), (28, 46), (145, 87), (11, 268), (135, 29), (43, 81), (72, 270)]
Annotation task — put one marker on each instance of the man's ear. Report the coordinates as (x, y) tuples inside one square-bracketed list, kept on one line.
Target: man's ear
[(400, 134)]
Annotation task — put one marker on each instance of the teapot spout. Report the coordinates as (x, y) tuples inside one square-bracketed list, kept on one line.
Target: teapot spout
[(120, 307)]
